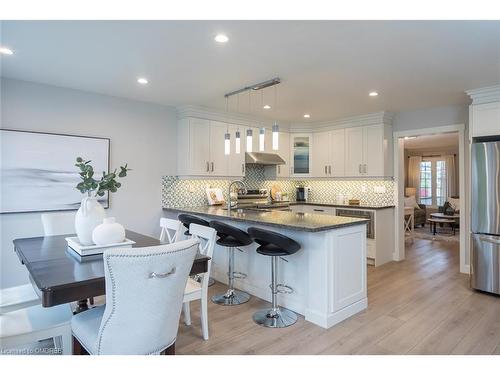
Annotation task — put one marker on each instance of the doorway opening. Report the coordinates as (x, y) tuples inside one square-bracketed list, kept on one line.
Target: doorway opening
[(430, 194)]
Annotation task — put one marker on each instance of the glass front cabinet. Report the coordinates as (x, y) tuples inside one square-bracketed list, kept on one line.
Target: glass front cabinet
[(300, 155)]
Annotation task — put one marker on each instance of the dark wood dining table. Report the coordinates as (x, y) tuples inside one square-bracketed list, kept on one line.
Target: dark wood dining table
[(61, 276)]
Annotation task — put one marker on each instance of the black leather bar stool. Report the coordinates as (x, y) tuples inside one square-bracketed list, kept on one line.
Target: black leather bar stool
[(187, 219), (274, 245), (232, 238)]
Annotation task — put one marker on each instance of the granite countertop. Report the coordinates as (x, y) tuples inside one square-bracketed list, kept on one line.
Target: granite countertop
[(281, 219), (333, 204)]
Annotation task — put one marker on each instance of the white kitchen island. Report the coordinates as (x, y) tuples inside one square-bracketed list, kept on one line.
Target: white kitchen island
[(328, 274)]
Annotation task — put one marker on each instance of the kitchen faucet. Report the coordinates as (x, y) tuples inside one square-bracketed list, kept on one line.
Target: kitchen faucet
[(229, 193)]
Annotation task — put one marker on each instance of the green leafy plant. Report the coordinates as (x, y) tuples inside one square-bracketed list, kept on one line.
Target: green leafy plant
[(89, 184)]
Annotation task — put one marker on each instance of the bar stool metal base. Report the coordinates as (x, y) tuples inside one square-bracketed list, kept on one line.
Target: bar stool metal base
[(279, 318), (232, 298)]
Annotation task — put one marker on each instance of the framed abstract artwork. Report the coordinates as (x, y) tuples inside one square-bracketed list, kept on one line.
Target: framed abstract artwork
[(38, 173)]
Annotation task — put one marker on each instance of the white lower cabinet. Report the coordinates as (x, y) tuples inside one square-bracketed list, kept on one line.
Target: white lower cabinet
[(379, 250)]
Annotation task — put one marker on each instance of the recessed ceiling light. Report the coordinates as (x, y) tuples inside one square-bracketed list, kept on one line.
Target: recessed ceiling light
[(6, 51), (142, 81), (307, 115), (373, 93), (406, 138), (267, 106), (221, 38)]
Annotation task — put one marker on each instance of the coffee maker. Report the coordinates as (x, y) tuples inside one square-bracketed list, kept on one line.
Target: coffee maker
[(302, 193)]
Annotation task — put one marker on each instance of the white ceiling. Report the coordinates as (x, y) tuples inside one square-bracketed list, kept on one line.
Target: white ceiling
[(434, 141), (327, 67)]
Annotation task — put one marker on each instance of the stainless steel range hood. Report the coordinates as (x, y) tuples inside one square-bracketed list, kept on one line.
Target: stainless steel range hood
[(263, 158)]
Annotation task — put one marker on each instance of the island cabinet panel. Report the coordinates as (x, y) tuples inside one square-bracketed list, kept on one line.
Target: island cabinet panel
[(337, 276), (345, 282), (327, 274)]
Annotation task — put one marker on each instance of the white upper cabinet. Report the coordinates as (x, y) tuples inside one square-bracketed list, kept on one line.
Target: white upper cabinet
[(337, 156), (301, 146), (218, 160), (282, 170), (328, 154), (354, 155), (201, 149), (485, 119), (194, 147), (321, 154), (236, 162), (362, 151), (367, 151)]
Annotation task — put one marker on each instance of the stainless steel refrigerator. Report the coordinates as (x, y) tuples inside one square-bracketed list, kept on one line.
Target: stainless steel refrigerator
[(485, 204)]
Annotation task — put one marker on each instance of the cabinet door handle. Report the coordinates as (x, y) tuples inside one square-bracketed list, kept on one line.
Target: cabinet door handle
[(212, 166), (208, 166), (359, 169), (364, 168), (329, 169), (243, 168), (279, 169), (326, 169), (318, 210)]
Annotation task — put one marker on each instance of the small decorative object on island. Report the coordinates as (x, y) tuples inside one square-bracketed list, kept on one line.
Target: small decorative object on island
[(108, 232), (91, 213)]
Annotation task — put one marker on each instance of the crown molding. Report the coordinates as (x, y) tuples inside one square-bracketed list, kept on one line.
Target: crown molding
[(376, 118), (485, 94), (222, 116)]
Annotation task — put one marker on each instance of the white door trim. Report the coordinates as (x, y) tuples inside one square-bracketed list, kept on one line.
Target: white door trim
[(399, 253)]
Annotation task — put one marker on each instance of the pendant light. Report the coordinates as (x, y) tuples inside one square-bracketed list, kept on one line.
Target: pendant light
[(227, 137), (237, 144), (276, 136), (249, 140), (276, 128), (262, 137), (249, 131), (237, 136), (262, 132)]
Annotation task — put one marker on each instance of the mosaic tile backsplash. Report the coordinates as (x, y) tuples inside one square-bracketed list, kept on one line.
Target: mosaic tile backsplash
[(178, 192)]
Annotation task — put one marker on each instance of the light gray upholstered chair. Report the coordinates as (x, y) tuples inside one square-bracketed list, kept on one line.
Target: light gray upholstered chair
[(144, 294)]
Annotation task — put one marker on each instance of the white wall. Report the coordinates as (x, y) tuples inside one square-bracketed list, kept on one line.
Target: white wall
[(430, 117), (142, 134)]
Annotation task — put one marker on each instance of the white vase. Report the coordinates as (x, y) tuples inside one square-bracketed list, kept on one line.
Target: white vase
[(108, 232), (89, 215)]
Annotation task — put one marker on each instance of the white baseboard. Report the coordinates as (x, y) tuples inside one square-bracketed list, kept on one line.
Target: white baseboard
[(465, 268), (327, 321)]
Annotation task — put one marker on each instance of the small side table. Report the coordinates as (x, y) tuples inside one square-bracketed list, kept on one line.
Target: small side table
[(409, 221)]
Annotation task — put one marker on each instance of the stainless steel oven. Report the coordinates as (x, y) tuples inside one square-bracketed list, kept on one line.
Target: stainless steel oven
[(360, 214)]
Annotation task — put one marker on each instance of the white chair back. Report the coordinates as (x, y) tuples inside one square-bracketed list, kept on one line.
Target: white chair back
[(207, 237), (170, 230), (144, 294), (57, 223)]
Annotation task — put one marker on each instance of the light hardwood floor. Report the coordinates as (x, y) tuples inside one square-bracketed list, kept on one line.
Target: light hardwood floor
[(419, 306)]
